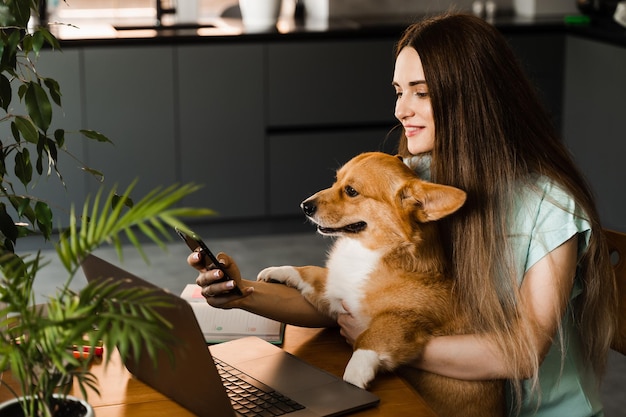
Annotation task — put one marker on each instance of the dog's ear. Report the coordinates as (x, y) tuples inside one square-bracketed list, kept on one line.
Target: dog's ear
[(428, 201)]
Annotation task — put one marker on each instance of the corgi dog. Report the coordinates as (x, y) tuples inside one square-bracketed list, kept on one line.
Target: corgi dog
[(388, 267)]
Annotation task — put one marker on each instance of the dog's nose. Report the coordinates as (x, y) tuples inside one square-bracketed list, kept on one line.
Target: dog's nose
[(308, 207)]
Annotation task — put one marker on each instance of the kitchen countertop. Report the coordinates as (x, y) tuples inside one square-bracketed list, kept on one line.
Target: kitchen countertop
[(230, 29)]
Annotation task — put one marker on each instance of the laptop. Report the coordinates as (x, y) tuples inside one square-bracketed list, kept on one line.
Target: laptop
[(189, 374)]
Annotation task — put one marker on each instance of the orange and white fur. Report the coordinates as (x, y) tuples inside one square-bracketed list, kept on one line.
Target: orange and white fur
[(387, 266)]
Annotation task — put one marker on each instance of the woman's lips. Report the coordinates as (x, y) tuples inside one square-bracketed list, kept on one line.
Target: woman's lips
[(412, 130)]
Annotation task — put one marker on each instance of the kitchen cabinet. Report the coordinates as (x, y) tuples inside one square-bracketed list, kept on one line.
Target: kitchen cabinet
[(302, 163), (328, 102), (222, 96), (179, 114), (330, 83), (260, 125), (129, 96), (594, 115)]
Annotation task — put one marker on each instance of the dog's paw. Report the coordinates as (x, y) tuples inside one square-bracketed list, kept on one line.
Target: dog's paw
[(283, 274), (362, 367)]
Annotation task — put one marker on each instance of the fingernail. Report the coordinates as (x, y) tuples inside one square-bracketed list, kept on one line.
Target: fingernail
[(216, 274), (230, 285)]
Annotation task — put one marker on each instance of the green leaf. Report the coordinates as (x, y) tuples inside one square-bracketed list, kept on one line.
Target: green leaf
[(50, 38), (6, 17), (19, 12), (44, 218), (27, 129), (23, 167), (38, 106), (54, 89), (27, 44), (117, 199), (21, 90), (52, 150), (15, 132), (9, 52), (7, 225), (39, 163), (22, 206), (59, 136), (14, 13), (3, 166), (38, 40), (97, 174), (48, 146), (92, 134), (6, 93)]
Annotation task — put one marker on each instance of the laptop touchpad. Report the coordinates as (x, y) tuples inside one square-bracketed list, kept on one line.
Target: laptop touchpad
[(285, 373)]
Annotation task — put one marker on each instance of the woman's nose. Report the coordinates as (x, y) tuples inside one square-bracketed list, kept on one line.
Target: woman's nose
[(402, 110)]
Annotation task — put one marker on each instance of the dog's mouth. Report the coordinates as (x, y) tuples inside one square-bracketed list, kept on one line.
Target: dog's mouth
[(352, 228)]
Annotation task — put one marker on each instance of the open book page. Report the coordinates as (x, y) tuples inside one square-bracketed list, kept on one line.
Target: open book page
[(219, 325)]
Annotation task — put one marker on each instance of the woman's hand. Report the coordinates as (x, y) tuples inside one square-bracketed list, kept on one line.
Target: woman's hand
[(219, 294), (351, 326)]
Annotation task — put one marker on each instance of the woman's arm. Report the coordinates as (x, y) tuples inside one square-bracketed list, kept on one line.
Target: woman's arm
[(275, 301), (284, 304), (545, 292)]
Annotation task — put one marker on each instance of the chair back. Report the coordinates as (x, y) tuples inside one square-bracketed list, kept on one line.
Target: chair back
[(617, 249)]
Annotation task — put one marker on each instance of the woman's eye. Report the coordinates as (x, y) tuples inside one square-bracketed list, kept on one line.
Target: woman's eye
[(398, 94), (351, 192), (421, 94)]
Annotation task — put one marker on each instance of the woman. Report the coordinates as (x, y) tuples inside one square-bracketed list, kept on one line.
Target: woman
[(526, 251)]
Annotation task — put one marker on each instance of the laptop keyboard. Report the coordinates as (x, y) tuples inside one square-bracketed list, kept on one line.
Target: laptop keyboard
[(250, 397)]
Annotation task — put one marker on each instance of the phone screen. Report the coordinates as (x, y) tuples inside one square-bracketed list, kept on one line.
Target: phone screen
[(196, 244)]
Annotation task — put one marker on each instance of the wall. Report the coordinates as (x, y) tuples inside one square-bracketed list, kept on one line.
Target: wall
[(593, 121), (345, 8)]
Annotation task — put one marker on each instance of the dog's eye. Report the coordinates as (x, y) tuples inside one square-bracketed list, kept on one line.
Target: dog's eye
[(351, 192)]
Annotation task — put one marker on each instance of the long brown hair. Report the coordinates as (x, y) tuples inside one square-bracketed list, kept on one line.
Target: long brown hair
[(491, 134)]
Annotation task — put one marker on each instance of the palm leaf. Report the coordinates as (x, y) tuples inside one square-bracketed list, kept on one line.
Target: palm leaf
[(108, 218)]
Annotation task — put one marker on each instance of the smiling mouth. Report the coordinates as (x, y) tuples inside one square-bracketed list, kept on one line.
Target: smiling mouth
[(351, 229), (412, 130)]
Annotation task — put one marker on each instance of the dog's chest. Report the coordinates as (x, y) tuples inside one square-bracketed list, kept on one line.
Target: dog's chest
[(349, 267)]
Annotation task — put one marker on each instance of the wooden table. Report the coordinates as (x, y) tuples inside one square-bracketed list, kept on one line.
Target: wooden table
[(122, 395)]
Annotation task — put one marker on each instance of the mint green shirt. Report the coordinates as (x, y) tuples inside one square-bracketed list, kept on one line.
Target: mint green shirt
[(544, 219)]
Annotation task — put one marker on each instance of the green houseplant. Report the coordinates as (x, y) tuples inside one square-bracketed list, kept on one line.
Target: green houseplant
[(36, 340)]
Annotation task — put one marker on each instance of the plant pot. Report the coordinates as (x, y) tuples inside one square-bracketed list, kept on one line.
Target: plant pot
[(76, 408)]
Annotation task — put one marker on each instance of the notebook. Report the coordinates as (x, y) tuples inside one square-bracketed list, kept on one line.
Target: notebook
[(219, 325), (189, 374)]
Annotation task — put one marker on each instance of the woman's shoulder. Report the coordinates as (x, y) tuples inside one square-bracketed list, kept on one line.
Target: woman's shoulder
[(546, 215), (540, 193)]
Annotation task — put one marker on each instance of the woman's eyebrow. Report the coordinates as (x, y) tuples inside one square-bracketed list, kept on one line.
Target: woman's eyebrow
[(411, 83)]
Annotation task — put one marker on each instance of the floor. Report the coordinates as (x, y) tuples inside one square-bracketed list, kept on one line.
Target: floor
[(254, 251)]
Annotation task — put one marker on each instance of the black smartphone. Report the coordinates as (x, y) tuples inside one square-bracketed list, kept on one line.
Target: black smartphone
[(196, 244)]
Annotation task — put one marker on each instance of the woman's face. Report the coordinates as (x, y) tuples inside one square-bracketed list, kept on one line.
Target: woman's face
[(413, 108)]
